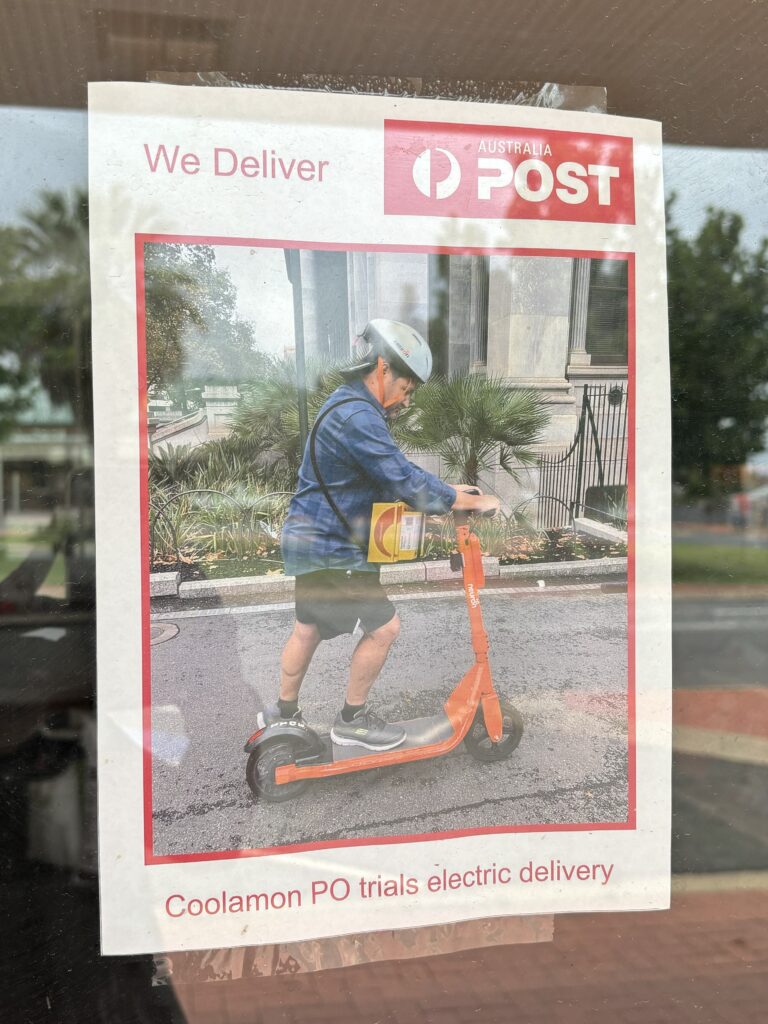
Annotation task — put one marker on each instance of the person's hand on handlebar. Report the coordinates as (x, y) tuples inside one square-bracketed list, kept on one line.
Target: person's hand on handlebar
[(471, 499)]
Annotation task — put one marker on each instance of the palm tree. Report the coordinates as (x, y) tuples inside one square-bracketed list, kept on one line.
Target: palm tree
[(173, 466), (52, 250), (267, 418), (474, 423)]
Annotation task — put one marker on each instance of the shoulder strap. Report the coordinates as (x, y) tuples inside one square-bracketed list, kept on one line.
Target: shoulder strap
[(316, 468)]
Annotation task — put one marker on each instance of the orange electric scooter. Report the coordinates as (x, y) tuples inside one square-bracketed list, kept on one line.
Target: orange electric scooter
[(286, 755)]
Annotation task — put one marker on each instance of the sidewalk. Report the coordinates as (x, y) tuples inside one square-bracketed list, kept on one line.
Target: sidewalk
[(703, 962), (726, 591), (429, 574), (730, 725)]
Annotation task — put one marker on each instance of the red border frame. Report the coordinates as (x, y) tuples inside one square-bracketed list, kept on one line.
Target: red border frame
[(272, 243)]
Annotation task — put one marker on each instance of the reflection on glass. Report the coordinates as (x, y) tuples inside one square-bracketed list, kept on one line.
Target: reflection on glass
[(718, 295), (719, 346), (45, 450)]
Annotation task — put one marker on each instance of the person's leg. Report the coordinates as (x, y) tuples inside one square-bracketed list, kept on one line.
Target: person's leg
[(368, 660), (356, 724), (295, 659)]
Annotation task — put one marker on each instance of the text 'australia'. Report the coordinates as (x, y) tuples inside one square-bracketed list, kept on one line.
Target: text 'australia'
[(434, 169)]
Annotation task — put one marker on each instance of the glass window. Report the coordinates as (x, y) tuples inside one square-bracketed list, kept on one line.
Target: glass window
[(702, 961), (607, 313)]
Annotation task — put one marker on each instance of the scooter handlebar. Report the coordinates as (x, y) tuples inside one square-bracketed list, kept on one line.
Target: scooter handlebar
[(462, 514)]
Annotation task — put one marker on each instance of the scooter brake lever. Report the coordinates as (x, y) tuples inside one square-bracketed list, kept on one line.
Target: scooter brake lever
[(489, 513)]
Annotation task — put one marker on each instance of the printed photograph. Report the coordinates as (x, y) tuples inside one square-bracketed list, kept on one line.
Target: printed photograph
[(388, 561)]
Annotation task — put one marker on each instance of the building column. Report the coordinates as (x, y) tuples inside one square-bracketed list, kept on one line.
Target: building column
[(577, 341), (397, 288), (478, 332), (529, 319), (220, 404), (357, 276), (325, 304)]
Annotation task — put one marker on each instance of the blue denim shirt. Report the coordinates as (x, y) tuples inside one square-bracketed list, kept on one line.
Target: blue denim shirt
[(360, 464)]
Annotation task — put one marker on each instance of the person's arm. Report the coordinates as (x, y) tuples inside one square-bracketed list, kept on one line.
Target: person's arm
[(472, 499), (371, 445)]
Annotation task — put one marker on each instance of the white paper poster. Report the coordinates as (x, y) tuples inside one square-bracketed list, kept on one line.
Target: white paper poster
[(241, 241)]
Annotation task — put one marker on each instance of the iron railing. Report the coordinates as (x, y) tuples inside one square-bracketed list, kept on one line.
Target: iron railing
[(590, 477)]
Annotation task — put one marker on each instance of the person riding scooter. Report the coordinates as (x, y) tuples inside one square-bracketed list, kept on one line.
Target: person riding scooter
[(350, 462)]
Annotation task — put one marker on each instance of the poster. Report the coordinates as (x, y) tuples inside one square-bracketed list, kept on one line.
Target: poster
[(241, 241)]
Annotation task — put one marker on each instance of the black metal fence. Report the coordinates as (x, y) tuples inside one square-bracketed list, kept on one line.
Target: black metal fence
[(590, 478)]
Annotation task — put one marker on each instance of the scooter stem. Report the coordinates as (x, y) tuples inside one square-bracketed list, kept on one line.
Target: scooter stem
[(474, 581)]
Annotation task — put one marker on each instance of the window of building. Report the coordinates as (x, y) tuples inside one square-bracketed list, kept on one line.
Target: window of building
[(607, 313)]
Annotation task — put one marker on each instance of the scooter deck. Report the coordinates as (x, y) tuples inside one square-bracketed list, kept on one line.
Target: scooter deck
[(425, 737), (419, 732)]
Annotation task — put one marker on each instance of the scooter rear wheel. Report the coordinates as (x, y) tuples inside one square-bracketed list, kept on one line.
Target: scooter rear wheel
[(480, 745), (260, 773)]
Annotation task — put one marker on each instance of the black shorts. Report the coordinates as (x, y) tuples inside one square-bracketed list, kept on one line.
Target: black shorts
[(334, 600)]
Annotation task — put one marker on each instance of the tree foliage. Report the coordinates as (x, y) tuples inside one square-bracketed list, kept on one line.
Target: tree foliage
[(474, 423), (45, 298), (194, 335), (718, 319), (13, 333)]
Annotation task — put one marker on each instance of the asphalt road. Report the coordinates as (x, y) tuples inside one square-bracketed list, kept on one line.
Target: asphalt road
[(560, 658), (719, 807), (721, 643)]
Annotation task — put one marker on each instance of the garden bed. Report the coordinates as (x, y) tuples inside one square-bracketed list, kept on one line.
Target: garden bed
[(517, 549), (212, 568)]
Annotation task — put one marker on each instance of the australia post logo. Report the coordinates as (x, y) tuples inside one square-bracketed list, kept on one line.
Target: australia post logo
[(470, 170)]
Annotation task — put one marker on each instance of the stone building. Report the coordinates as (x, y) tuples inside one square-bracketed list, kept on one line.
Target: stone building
[(551, 323), (212, 420), (555, 324)]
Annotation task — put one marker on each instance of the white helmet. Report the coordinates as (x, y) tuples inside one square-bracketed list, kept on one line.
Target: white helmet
[(395, 341)]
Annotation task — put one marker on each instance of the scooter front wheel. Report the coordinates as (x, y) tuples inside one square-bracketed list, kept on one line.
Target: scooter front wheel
[(260, 773), (480, 745)]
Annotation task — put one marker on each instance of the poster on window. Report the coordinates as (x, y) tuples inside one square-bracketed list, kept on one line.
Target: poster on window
[(382, 439)]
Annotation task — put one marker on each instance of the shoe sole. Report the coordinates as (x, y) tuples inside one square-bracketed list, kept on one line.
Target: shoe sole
[(344, 742), (262, 723)]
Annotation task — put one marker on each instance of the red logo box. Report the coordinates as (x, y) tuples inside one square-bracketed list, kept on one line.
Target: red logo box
[(433, 169)]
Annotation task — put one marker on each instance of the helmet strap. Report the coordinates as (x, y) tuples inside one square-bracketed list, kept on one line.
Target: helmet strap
[(380, 379), (380, 385)]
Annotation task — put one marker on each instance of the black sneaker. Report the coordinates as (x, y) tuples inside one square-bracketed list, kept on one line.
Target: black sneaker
[(272, 714), (368, 730)]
